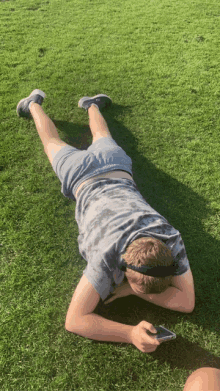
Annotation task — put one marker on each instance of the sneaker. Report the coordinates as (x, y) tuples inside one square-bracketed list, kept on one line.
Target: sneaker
[(100, 100), (36, 96)]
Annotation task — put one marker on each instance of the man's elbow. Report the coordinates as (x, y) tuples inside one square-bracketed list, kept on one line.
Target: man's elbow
[(189, 310), (186, 305), (191, 306), (69, 326), (73, 324)]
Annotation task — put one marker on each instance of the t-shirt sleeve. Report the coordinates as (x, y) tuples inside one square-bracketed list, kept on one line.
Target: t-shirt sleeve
[(178, 251), (100, 277)]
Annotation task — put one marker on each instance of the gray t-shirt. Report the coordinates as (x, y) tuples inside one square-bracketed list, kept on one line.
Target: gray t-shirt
[(111, 214)]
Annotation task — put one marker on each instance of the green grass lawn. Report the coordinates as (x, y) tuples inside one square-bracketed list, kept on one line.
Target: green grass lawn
[(159, 61)]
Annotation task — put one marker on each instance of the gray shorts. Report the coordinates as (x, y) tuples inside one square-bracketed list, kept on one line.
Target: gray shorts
[(74, 166)]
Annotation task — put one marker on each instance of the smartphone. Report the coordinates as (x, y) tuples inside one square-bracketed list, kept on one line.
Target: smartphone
[(163, 334)]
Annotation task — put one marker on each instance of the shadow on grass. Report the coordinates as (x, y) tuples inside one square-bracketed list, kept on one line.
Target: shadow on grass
[(78, 136), (185, 210), (178, 353)]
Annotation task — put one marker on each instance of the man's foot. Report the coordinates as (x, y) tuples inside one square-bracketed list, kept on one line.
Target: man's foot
[(100, 100), (36, 96)]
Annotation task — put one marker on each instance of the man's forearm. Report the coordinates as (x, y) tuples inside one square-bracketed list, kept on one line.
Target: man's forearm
[(96, 327), (172, 298)]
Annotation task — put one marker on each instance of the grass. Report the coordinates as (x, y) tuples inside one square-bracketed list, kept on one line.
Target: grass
[(159, 62)]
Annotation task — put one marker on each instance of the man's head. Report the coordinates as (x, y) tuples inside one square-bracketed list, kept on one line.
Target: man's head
[(152, 252)]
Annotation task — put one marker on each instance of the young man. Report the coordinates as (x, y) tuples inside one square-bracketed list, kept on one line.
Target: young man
[(112, 216)]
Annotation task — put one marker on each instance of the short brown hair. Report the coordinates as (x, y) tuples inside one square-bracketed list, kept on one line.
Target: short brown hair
[(152, 252)]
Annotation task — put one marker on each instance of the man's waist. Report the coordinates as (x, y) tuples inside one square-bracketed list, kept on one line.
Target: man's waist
[(109, 174)]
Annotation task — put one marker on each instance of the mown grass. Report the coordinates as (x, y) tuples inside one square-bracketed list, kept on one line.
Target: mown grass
[(159, 62)]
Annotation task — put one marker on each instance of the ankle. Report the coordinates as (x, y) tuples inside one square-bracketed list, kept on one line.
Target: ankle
[(92, 106), (33, 107), (30, 104)]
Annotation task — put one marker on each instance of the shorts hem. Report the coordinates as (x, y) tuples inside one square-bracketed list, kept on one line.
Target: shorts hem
[(59, 155)]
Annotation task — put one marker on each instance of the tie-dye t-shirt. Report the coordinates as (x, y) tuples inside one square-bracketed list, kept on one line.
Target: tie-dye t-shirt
[(111, 214)]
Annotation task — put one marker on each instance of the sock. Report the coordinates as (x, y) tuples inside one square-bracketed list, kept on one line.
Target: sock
[(94, 105), (29, 105)]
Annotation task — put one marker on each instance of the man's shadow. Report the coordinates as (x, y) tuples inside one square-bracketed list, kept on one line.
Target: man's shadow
[(185, 210)]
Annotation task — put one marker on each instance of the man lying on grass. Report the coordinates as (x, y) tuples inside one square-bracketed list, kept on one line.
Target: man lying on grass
[(129, 247)]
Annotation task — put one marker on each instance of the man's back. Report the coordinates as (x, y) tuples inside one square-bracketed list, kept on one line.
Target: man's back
[(111, 213)]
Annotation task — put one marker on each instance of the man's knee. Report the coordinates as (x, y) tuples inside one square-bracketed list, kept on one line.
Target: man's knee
[(203, 379)]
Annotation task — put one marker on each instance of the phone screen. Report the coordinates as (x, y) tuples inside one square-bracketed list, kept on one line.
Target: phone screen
[(163, 334)]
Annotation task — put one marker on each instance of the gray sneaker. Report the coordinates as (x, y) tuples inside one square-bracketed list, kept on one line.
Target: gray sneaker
[(100, 100), (36, 96)]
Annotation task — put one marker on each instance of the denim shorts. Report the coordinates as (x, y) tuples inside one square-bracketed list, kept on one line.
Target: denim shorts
[(74, 166)]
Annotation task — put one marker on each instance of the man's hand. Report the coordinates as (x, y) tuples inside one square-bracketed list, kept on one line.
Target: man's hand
[(144, 342), (121, 291)]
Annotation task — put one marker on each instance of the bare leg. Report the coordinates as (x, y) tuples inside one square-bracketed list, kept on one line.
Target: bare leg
[(47, 131), (203, 379), (49, 135), (97, 123)]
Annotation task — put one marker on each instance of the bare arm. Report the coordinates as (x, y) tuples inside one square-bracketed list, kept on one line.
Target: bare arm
[(98, 328), (180, 296), (172, 298), (81, 320)]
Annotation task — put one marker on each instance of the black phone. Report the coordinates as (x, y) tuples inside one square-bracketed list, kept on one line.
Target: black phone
[(163, 334)]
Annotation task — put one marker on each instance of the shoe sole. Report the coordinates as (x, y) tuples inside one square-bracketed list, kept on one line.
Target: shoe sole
[(35, 92), (82, 100)]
